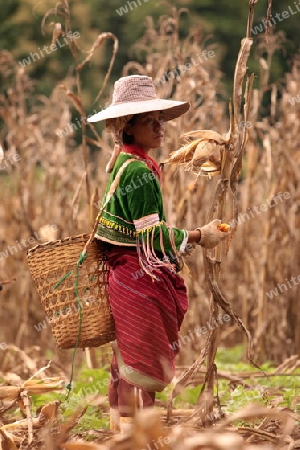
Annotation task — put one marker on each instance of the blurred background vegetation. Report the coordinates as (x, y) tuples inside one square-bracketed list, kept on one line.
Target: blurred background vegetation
[(222, 22)]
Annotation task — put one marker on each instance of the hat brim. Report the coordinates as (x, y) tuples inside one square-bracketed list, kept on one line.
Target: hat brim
[(172, 109)]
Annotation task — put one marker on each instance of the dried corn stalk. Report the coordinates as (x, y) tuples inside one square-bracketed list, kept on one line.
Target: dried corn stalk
[(62, 8), (193, 156)]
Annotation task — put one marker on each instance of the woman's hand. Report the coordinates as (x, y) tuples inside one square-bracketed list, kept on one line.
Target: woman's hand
[(211, 235)]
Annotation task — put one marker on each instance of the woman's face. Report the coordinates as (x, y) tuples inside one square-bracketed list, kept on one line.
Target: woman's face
[(147, 130)]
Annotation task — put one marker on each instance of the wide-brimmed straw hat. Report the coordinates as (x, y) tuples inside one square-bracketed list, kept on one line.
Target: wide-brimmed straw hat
[(136, 94)]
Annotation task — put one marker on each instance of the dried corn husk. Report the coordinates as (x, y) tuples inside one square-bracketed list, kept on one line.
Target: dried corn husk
[(6, 442), (42, 387), (9, 393), (47, 413), (183, 155), (206, 151), (203, 155), (208, 135), (32, 387)]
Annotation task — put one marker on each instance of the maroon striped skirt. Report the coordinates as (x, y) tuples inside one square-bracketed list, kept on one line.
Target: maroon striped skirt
[(148, 315)]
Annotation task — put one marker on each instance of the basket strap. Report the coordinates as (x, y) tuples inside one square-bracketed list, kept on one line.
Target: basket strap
[(110, 194), (81, 259)]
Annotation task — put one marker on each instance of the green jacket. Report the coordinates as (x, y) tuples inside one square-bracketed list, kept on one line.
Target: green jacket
[(135, 216)]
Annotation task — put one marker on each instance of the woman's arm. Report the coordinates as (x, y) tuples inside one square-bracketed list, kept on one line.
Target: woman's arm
[(194, 236)]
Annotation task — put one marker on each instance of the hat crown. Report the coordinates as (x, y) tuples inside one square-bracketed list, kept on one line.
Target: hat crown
[(133, 88)]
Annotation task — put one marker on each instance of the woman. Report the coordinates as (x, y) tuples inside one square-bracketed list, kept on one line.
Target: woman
[(147, 295)]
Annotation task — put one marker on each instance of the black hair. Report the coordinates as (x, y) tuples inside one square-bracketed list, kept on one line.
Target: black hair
[(128, 139)]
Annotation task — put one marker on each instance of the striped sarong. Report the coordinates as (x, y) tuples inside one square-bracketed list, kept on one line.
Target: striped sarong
[(148, 315)]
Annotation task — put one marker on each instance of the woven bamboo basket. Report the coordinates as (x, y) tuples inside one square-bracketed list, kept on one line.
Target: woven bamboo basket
[(53, 268)]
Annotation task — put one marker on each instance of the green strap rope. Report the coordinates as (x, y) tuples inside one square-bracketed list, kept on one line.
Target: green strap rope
[(81, 259)]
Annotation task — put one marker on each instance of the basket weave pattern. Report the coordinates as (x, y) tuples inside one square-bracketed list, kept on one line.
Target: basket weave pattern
[(52, 261)]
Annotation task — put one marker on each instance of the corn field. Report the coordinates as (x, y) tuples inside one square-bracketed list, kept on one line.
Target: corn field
[(51, 186)]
